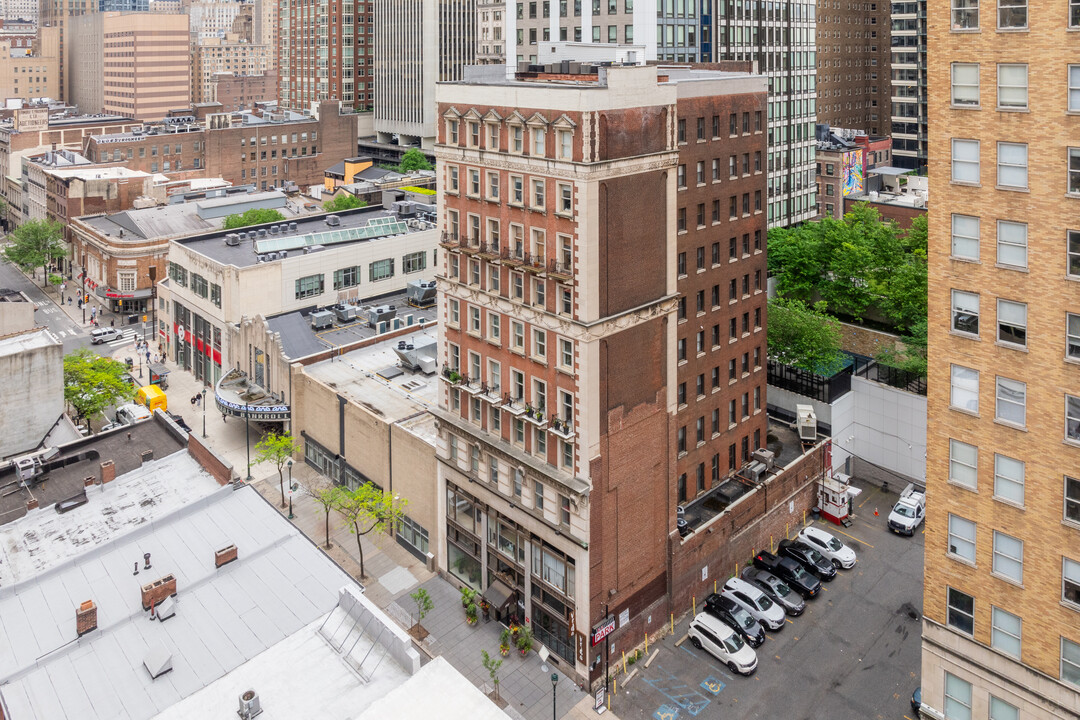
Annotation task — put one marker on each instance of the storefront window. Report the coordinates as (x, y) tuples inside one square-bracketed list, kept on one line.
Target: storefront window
[(462, 565)]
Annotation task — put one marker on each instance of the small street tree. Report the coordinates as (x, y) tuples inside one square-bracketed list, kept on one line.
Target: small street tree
[(93, 383), (35, 244), (413, 160), (277, 449), (328, 496), (804, 337), (424, 605), (492, 665), (344, 202), (370, 506)]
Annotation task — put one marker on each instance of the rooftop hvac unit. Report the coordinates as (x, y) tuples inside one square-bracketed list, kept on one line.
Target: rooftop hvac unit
[(322, 320), (273, 229), (806, 422), (768, 457), (378, 314), (755, 471), (262, 233), (232, 239), (344, 313), (333, 220), (416, 358), (292, 227), (421, 294)]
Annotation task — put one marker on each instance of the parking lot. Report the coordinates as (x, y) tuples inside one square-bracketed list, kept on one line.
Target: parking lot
[(853, 654)]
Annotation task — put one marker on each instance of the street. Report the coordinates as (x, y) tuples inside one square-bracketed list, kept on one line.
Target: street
[(854, 653)]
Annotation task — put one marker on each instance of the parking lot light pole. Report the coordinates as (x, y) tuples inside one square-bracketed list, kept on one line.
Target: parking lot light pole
[(247, 437), (204, 411), (554, 683), (290, 491)]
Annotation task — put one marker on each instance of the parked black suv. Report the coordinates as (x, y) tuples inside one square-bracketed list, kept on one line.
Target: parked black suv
[(808, 557), (731, 613), (791, 572)]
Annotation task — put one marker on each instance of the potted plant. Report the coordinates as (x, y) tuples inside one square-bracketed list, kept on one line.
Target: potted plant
[(504, 642), (467, 595), (524, 641), (470, 613), (485, 607)]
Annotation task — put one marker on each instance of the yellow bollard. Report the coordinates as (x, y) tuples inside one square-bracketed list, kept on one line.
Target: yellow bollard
[(770, 543), (615, 685), (646, 643), (736, 569), (714, 586), (672, 623), (693, 604), (804, 518), (787, 530), (624, 662)]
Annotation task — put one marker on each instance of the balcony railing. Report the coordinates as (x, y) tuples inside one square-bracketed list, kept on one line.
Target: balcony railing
[(512, 405), (491, 393), (562, 428), (560, 271), (534, 263), (512, 257), (535, 415)]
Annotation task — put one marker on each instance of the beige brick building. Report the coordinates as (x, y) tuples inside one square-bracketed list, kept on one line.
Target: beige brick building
[(231, 54), (1001, 635), (31, 74)]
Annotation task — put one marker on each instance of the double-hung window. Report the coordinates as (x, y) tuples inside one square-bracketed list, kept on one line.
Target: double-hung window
[(1070, 662), (961, 538), (965, 312), (1005, 632), (1011, 401), (1008, 557), (965, 14), (1072, 418), (1070, 582), (965, 237), (1074, 171), (957, 698), (1012, 14), (963, 464), (1012, 322), (965, 161), (1012, 241), (1009, 479), (1012, 165), (961, 613), (1012, 86), (965, 84), (1074, 80), (1072, 336)]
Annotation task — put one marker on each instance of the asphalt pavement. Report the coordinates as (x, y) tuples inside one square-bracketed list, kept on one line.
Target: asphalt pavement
[(853, 654)]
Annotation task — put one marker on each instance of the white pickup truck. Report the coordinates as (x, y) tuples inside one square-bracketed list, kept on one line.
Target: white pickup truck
[(909, 511)]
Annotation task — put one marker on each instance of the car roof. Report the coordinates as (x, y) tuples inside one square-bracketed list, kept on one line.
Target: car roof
[(742, 586), (714, 624), (818, 533)]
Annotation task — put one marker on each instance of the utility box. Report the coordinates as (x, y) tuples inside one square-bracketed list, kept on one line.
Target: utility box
[(806, 423), (322, 320)]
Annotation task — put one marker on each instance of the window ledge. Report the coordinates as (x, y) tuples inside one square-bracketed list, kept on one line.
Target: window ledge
[(1014, 268), (1010, 188), (1012, 30), (1012, 425), (1010, 346), (965, 183), (1071, 443), (972, 413), (1005, 578), (954, 106), (962, 560), (1010, 503), (958, 258), (966, 336), (1072, 360), (962, 486), (1013, 109)]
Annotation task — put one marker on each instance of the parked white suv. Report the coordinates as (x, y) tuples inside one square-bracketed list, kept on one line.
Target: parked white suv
[(755, 602), (828, 545), (716, 638)]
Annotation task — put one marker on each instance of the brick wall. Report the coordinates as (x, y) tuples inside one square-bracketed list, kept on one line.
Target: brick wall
[(214, 464), (865, 341)]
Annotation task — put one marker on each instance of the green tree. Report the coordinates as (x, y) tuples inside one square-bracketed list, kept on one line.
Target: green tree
[(344, 202), (254, 216), (371, 506), (424, 605), (35, 244), (804, 337), (492, 665), (93, 383), (328, 496), (413, 160), (278, 449), (911, 357)]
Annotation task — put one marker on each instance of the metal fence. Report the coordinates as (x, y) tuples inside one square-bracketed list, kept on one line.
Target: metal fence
[(871, 369), (811, 385)]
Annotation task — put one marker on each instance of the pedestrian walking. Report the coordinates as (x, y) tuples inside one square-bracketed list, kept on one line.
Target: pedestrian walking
[(112, 323), (194, 399)]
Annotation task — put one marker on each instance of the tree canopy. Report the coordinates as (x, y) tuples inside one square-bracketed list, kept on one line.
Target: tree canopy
[(854, 265), (804, 337), (413, 160), (35, 244), (254, 216), (277, 449), (93, 383), (370, 505), (344, 202)]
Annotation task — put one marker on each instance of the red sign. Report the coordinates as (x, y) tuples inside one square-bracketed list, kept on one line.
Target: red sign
[(601, 631), (114, 294)]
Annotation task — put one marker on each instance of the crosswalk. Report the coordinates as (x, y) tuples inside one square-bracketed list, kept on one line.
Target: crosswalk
[(126, 338)]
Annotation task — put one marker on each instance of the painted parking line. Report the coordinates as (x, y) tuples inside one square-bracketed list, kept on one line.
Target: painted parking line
[(869, 495), (678, 692), (789, 621), (853, 538), (712, 685)]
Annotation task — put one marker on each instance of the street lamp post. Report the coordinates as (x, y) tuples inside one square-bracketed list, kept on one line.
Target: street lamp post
[(247, 437), (204, 411), (554, 683), (290, 490)]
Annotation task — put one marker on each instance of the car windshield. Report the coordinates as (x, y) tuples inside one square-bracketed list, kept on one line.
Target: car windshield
[(733, 644), (815, 557), (904, 511), (835, 545), (797, 572), (781, 589), (765, 603), (743, 618)]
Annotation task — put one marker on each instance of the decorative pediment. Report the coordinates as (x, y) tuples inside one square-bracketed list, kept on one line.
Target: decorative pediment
[(515, 118), (565, 122), (452, 113), (472, 114), (538, 119), (492, 116)]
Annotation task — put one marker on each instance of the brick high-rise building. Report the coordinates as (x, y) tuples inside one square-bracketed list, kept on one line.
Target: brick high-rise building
[(230, 55), (131, 64), (56, 13), (1001, 631), (579, 288), (325, 52), (854, 88)]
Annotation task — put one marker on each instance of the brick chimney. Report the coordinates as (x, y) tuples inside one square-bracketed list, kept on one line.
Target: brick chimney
[(31, 504), (108, 471), (224, 556), (153, 593), (86, 618)]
